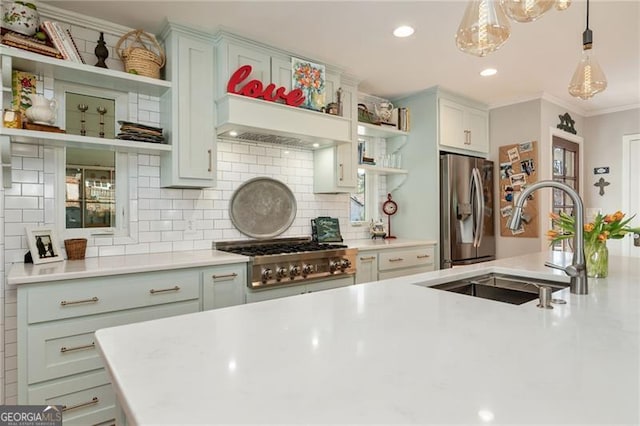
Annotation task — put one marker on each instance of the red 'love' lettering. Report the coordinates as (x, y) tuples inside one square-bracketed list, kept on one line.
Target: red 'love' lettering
[(255, 89)]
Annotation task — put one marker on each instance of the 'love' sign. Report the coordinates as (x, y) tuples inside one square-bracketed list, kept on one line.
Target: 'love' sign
[(255, 89)]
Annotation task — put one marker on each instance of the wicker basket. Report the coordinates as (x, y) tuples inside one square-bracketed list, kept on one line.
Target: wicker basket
[(75, 248), (143, 55)]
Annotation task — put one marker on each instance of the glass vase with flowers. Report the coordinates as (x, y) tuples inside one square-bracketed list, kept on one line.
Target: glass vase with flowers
[(596, 234)]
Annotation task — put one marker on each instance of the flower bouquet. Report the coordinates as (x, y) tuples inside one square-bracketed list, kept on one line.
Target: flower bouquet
[(596, 234)]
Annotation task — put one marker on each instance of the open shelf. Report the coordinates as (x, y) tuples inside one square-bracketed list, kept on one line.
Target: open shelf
[(64, 70), (382, 170), (379, 131), (77, 141)]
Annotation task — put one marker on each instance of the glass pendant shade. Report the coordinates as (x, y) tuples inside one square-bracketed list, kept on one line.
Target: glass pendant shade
[(526, 10), (588, 79), (562, 4), (484, 28)]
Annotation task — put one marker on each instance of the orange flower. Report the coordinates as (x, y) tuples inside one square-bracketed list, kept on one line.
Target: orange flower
[(589, 227), (608, 218), (617, 216), (603, 237), (551, 234), (554, 216)]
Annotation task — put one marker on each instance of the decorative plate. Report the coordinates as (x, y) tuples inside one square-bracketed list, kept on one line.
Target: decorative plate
[(262, 208)]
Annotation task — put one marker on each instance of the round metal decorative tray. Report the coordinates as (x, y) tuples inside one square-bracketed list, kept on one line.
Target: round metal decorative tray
[(262, 208)]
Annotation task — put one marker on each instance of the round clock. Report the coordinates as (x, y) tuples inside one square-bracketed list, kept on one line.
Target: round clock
[(389, 208)]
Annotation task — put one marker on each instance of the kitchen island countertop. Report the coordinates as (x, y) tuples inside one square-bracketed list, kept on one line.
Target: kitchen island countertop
[(391, 352)]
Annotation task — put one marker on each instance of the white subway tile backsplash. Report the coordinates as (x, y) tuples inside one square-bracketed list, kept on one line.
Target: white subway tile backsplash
[(32, 164), (111, 251), (171, 236), (148, 215), (25, 176), (183, 204), (13, 202), (149, 237)]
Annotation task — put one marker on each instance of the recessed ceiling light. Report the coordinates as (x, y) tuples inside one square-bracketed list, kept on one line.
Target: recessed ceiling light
[(316, 145), (233, 133), (487, 72), (403, 31)]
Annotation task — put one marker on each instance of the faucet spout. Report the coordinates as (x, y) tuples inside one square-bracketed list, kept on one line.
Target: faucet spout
[(577, 270)]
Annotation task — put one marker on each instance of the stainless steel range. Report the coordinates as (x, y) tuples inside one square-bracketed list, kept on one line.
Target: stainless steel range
[(283, 261)]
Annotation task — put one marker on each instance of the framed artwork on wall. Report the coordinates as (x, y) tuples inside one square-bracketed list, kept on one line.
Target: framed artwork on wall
[(43, 245)]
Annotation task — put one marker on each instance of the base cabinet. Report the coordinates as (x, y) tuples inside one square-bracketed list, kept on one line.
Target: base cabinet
[(223, 286), (381, 264), (58, 361)]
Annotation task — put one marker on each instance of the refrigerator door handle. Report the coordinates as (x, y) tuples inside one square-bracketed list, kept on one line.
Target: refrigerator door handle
[(479, 222)]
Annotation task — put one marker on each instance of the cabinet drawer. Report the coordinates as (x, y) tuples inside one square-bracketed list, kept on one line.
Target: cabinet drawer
[(105, 294), (223, 286), (89, 399), (396, 259), (61, 348)]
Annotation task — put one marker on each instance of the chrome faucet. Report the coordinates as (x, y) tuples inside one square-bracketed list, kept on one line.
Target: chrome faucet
[(577, 270)]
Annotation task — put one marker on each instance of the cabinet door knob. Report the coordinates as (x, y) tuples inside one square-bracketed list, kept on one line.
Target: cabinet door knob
[(210, 161)]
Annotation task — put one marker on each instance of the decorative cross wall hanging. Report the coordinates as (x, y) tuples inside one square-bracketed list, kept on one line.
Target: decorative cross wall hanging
[(601, 184)]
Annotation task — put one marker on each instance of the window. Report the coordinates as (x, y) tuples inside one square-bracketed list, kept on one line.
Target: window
[(92, 193), (566, 156), (90, 196), (358, 207)]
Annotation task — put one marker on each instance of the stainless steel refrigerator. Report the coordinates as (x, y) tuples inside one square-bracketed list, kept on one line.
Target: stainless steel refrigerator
[(466, 210)]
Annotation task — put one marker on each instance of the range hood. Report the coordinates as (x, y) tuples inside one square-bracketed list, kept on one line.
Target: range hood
[(256, 120)]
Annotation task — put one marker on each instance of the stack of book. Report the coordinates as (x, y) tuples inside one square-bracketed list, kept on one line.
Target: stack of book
[(31, 44), (62, 40), (139, 132), (362, 157), (403, 119)]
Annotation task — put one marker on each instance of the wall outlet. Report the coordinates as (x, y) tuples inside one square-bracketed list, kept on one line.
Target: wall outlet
[(191, 225)]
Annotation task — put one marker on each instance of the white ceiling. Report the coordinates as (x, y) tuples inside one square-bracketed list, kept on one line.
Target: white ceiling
[(539, 58)]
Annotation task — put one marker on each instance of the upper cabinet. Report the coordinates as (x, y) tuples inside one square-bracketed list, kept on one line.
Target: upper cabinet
[(463, 127), (189, 109)]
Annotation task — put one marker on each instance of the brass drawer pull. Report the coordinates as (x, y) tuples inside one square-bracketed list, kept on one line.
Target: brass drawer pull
[(396, 259), (75, 302), (210, 168), (164, 290), (368, 258), (110, 422), (93, 401), (219, 277), (78, 348), (423, 256)]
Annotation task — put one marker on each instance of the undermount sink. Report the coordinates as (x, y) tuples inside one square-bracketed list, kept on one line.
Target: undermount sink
[(501, 288)]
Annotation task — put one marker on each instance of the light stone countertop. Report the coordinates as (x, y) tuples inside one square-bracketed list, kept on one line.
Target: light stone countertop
[(28, 273), (391, 352), (379, 243)]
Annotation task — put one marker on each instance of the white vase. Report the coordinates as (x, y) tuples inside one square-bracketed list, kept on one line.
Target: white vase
[(21, 19)]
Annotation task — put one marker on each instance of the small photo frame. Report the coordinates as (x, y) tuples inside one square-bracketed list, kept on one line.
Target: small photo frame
[(514, 155), (43, 245), (518, 179)]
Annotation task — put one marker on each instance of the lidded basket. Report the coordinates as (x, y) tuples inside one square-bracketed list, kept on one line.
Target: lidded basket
[(143, 55)]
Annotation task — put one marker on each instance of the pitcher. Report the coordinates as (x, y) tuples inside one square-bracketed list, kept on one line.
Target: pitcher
[(384, 110), (42, 110)]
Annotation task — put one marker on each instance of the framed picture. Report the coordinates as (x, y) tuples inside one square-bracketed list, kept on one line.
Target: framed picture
[(43, 245), (309, 78)]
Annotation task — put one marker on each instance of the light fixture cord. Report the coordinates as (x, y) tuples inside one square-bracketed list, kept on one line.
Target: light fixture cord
[(587, 35), (587, 14)]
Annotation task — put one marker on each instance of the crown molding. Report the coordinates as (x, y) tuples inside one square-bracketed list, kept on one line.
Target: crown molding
[(612, 110), (74, 18)]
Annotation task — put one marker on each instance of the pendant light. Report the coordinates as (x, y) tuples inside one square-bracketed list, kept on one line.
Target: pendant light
[(526, 10), (562, 4), (588, 79), (484, 28)]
